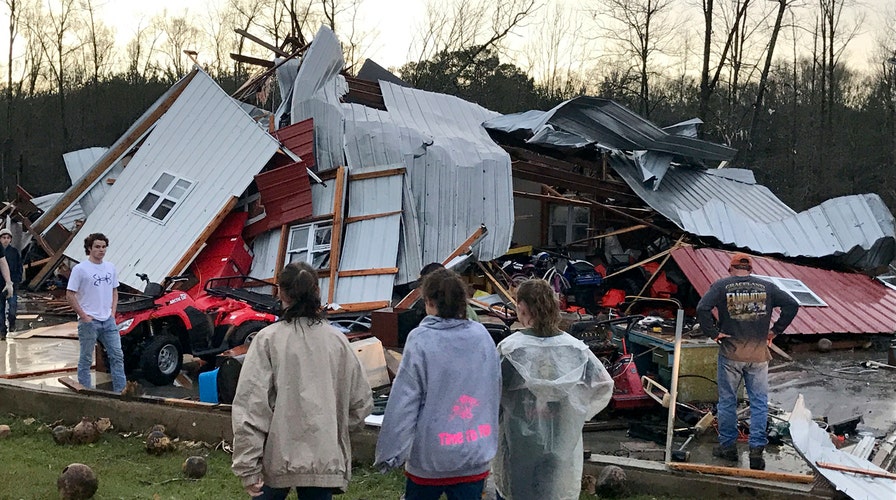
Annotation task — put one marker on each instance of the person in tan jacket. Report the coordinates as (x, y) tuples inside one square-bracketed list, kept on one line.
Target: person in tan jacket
[(301, 389)]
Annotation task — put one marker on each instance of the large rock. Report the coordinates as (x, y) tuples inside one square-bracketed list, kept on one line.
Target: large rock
[(77, 482), (611, 482)]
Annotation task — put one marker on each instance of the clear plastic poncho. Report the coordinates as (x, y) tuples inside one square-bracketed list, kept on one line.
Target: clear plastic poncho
[(551, 387)]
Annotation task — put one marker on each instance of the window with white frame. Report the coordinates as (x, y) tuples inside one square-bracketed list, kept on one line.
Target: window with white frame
[(796, 289), (568, 223), (164, 195), (310, 243)]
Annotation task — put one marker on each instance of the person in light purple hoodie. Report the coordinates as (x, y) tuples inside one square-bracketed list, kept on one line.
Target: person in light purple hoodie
[(441, 421)]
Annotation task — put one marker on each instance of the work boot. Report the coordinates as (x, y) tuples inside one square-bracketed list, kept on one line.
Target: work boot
[(726, 452), (756, 460)]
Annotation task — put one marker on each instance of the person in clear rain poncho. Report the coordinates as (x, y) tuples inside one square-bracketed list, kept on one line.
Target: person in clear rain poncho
[(552, 384)]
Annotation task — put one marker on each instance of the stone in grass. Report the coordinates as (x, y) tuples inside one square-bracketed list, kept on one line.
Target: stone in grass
[(611, 482), (62, 434), (195, 467), (157, 442), (5, 431), (77, 482), (85, 432)]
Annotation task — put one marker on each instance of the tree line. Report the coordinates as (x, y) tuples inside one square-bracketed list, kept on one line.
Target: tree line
[(768, 78)]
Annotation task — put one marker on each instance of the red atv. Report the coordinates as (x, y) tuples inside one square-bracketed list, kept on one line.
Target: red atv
[(161, 325)]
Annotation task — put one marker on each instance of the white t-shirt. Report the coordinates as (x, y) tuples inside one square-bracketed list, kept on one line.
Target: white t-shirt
[(93, 284)]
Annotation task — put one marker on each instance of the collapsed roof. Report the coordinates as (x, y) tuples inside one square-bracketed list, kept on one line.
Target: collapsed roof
[(666, 169)]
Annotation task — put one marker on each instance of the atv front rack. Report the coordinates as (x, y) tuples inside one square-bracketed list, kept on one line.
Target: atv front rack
[(258, 293)]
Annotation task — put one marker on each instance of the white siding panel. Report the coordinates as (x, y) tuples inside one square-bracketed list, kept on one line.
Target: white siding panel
[(205, 137), (265, 247)]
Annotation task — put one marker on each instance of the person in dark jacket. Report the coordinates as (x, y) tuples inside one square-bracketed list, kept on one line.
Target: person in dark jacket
[(9, 305), (744, 304)]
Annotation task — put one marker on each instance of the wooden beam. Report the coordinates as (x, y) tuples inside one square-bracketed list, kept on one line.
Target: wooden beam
[(359, 218), (54, 260), (252, 60), (570, 180), (657, 271), (503, 291), (639, 264), (121, 147), (375, 175), (611, 233), (363, 306), (336, 235), (259, 41), (734, 471), (281, 250), (200, 240), (264, 74), (556, 200), (464, 247), (368, 272), (855, 470)]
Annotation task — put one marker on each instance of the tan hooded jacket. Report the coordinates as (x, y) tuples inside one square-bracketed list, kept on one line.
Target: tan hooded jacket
[(301, 389)]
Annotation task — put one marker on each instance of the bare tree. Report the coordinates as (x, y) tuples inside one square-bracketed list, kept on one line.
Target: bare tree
[(179, 35), (770, 51), (140, 53), (556, 56), (473, 26), (708, 82), (638, 30), (55, 32), (98, 41)]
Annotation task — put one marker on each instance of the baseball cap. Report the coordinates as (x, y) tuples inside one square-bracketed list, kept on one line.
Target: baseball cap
[(5, 231), (741, 260)]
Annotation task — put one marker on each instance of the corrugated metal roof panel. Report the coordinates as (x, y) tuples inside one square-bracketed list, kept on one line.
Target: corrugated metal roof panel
[(77, 163), (372, 243), (68, 218), (316, 94), (856, 303), (286, 196), (459, 177), (859, 230), (299, 138), (204, 137), (608, 124)]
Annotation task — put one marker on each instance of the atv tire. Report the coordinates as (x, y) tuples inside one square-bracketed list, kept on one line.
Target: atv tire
[(244, 331), (161, 360)]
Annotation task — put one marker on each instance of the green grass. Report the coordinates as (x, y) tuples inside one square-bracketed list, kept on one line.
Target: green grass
[(30, 463)]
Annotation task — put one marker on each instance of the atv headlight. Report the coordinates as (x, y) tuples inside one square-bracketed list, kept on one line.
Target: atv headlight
[(124, 325)]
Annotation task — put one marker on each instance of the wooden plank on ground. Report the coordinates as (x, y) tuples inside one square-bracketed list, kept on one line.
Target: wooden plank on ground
[(144, 398), (735, 471), (855, 470), (780, 352)]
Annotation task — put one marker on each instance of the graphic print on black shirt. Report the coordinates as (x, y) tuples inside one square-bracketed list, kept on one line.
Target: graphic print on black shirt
[(745, 303)]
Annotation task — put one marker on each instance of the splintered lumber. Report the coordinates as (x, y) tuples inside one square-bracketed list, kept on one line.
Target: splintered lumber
[(750, 473), (464, 247), (501, 290), (856, 470)]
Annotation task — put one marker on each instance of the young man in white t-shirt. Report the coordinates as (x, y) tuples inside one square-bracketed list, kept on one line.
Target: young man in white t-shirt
[(93, 294)]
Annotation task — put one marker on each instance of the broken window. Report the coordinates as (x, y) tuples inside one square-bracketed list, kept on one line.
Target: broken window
[(163, 196), (310, 243), (568, 223), (796, 289)]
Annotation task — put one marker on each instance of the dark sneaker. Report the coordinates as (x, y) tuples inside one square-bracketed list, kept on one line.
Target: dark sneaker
[(725, 452), (756, 460)]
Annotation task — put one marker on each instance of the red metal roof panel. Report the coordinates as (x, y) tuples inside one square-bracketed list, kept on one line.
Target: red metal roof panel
[(299, 138), (286, 196), (855, 302)]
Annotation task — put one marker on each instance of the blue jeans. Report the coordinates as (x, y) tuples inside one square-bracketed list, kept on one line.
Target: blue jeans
[(304, 493), (8, 308), (106, 332), (462, 491), (755, 377)]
